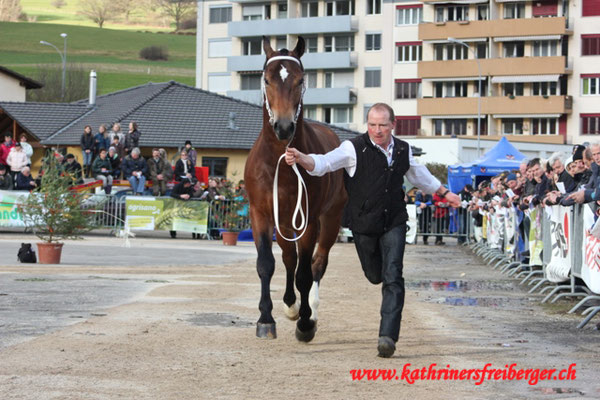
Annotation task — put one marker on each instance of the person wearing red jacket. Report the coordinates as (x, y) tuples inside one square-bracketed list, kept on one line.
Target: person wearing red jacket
[(440, 217), (5, 148)]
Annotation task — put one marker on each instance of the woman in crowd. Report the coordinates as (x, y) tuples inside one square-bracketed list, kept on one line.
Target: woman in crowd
[(87, 148), (102, 170), (101, 140), (26, 148), (17, 159), (132, 137), (184, 167)]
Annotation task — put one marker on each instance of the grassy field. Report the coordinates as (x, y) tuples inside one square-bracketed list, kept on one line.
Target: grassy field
[(44, 12), (114, 54)]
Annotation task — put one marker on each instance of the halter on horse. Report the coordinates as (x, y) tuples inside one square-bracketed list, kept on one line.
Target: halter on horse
[(283, 123)]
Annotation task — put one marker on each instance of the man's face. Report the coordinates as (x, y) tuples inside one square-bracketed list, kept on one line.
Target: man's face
[(578, 166), (511, 184), (523, 168), (155, 154), (537, 171), (135, 156), (379, 127), (6, 139), (111, 153), (25, 172), (596, 153), (102, 155), (70, 160), (558, 167)]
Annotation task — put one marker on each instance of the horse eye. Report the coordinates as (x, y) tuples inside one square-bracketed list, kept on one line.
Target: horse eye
[(266, 81), (301, 82)]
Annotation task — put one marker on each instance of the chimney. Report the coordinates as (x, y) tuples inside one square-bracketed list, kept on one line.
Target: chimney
[(92, 88), (232, 117)]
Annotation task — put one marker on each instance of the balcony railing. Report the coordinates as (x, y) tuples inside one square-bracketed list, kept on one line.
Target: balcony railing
[(293, 26)]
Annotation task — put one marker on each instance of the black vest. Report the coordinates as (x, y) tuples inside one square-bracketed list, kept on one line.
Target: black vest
[(376, 198)]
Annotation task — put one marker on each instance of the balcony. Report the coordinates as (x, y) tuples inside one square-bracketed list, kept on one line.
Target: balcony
[(493, 28), (520, 106), (338, 60), (493, 67), (293, 26), (321, 96)]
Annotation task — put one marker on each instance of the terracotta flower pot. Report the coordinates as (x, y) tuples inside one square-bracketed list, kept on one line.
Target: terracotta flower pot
[(230, 238), (49, 253)]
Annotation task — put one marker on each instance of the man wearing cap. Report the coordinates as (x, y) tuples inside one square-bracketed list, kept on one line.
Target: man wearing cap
[(191, 152), (184, 190), (73, 169), (375, 165)]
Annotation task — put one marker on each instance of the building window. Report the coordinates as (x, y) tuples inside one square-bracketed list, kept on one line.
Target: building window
[(483, 12), (545, 88), (219, 15), (328, 80), (250, 82), (281, 42), (544, 126), (545, 48), (282, 10), (217, 166), (590, 124), (373, 7), (366, 108), (310, 9), (590, 45), (251, 47), (408, 15), (219, 47), (373, 41), (311, 44), (590, 8), (481, 50), (514, 49), (407, 89), (484, 87), (512, 126), (513, 88), (451, 13), (339, 7), (590, 85), (544, 8), (450, 89), (407, 126), (373, 77), (339, 43), (311, 79), (310, 112), (408, 52), (449, 127), (253, 12), (514, 10), (444, 51), (338, 115)]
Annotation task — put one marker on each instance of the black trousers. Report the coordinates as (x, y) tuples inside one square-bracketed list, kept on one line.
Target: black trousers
[(381, 259)]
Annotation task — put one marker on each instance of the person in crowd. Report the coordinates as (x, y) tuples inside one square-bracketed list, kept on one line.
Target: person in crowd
[(212, 192), (591, 192), (6, 181), (135, 170), (116, 132), (440, 217), (73, 169), (26, 148), (87, 149), (466, 194), (24, 180), (379, 231), (132, 137), (119, 147), (184, 190), (561, 174), (192, 154), (101, 139), (102, 170), (184, 167), (169, 170), (424, 201), (158, 171), (115, 162), (5, 148), (17, 159)]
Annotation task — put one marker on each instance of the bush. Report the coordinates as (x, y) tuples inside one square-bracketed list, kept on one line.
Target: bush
[(59, 3), (438, 170), (154, 53), (189, 23)]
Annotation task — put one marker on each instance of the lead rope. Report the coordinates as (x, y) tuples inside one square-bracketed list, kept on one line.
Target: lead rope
[(301, 185)]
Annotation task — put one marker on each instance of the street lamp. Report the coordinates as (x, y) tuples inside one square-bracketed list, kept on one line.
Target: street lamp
[(454, 40), (63, 57)]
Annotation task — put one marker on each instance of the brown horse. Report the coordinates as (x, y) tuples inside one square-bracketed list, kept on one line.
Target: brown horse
[(283, 124)]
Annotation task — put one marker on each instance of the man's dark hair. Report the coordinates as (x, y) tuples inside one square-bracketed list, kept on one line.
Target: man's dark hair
[(69, 156), (533, 163), (383, 106)]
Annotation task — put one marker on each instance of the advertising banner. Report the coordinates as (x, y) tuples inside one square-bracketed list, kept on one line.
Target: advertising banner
[(536, 244), (560, 265), (9, 214), (590, 271), (151, 213), (411, 224)]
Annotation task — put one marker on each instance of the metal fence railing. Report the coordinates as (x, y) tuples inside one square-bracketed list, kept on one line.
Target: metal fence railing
[(444, 222)]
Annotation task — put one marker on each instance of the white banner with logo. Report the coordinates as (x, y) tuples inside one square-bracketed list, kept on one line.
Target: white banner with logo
[(590, 268), (411, 224), (560, 265), (10, 217), (510, 225)]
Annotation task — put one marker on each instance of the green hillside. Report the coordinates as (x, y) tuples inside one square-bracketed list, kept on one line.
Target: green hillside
[(114, 54)]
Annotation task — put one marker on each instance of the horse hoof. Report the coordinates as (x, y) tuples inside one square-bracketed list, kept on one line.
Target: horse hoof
[(293, 312), (266, 331), (308, 335)]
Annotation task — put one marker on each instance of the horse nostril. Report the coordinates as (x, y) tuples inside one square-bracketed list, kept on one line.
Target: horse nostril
[(292, 127), (276, 125)]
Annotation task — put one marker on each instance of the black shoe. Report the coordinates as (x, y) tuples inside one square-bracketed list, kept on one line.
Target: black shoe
[(386, 347), (173, 234)]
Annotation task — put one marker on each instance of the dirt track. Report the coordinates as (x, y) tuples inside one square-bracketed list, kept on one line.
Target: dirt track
[(193, 338)]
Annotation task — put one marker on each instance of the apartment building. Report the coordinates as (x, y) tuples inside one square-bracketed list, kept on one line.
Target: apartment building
[(530, 69)]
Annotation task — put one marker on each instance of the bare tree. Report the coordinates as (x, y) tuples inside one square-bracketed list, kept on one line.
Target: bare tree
[(98, 11), (76, 85), (10, 10), (59, 3), (125, 7), (177, 9)]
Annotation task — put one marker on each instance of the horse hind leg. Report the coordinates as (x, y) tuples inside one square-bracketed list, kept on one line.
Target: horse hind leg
[(291, 308)]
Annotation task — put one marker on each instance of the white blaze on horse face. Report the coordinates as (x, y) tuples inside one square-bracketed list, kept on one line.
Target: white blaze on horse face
[(313, 300), (283, 73)]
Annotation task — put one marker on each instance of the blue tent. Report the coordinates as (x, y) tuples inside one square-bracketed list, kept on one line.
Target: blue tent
[(502, 157)]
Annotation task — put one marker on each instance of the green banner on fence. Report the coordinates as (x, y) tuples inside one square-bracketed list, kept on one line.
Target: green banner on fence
[(9, 213), (166, 214)]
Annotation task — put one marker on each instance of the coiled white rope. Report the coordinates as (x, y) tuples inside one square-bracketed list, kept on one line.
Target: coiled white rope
[(298, 210)]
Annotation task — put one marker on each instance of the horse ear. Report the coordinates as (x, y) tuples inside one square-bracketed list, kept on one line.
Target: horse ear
[(267, 47), (300, 47)]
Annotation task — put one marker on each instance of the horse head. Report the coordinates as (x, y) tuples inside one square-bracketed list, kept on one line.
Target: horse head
[(283, 87)]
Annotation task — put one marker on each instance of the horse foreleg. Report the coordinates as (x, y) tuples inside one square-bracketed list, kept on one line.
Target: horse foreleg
[(290, 260), (265, 266), (305, 327)]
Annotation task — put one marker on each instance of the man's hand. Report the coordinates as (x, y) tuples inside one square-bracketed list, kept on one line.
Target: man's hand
[(453, 199), (185, 196), (293, 156), (579, 196), (159, 177)]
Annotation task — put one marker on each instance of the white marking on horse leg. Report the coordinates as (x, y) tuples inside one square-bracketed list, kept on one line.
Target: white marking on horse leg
[(283, 73), (292, 312), (313, 300)]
